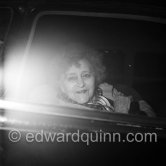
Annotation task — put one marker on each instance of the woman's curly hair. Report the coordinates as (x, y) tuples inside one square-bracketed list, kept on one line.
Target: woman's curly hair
[(73, 53)]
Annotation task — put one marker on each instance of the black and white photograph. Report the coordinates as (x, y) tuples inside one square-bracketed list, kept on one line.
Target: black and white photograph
[(82, 82)]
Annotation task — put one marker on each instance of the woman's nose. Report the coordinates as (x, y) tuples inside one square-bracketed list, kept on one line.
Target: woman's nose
[(80, 82)]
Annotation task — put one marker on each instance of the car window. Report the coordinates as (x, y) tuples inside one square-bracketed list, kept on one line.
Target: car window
[(133, 49)]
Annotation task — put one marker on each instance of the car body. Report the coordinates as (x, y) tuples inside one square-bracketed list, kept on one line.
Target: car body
[(126, 65)]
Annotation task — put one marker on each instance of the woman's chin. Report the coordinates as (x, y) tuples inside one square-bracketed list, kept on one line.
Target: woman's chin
[(82, 100)]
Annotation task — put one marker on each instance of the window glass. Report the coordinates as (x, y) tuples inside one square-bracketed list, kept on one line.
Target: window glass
[(133, 49)]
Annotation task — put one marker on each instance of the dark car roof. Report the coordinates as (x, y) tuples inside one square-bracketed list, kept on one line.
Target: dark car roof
[(143, 7)]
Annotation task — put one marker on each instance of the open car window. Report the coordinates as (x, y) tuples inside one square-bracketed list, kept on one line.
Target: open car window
[(133, 49)]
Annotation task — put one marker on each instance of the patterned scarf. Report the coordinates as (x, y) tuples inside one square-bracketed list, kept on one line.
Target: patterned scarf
[(98, 102)]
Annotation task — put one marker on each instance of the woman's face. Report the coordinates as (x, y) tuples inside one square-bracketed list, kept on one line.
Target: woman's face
[(78, 83)]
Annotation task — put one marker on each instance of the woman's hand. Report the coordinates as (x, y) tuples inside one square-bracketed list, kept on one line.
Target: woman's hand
[(122, 104)]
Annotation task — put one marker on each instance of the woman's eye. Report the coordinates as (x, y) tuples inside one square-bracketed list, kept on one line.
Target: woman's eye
[(88, 75)]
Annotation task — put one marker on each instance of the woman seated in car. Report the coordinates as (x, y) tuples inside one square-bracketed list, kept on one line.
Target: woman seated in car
[(81, 76)]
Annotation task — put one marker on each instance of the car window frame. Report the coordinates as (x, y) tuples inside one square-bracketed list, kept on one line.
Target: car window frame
[(128, 120)]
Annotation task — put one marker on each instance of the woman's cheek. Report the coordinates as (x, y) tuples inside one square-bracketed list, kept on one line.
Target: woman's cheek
[(91, 86)]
